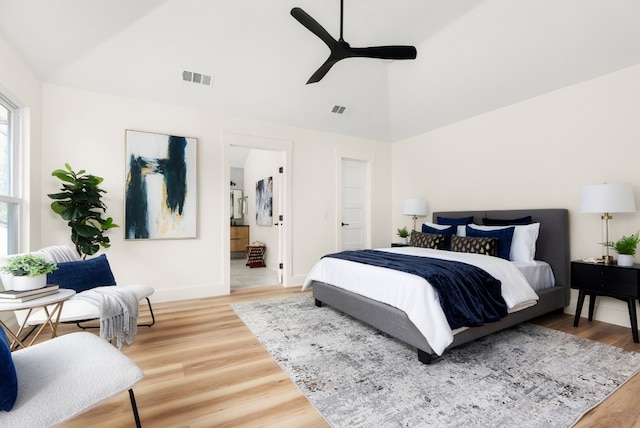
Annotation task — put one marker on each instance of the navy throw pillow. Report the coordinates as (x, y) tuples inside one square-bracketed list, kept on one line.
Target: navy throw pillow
[(83, 274), (522, 221), (454, 221), (446, 244), (9, 383), (504, 236)]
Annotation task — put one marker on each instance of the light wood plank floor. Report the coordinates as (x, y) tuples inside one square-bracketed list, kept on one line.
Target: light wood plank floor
[(203, 368)]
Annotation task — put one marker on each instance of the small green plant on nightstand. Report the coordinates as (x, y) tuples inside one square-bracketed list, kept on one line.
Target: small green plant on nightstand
[(403, 232), (626, 244)]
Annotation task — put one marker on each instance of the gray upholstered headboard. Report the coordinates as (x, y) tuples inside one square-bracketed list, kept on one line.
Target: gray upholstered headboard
[(553, 244)]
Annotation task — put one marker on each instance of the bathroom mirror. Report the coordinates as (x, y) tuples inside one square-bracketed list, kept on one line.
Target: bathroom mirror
[(236, 204)]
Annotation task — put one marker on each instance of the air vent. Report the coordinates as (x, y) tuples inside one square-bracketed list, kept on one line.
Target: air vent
[(197, 78), (338, 109)]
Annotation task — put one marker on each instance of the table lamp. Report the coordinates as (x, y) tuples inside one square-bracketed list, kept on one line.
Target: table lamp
[(607, 198), (415, 208)]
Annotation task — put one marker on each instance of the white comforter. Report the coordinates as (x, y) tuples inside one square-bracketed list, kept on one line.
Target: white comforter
[(413, 294)]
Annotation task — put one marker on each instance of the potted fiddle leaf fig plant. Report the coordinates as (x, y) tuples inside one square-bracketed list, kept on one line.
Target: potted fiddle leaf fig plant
[(29, 272), (80, 203), (403, 233)]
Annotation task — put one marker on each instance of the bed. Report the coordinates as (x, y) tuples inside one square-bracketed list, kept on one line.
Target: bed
[(552, 247)]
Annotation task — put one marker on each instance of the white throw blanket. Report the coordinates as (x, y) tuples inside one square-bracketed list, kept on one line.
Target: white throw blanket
[(118, 312), (60, 254)]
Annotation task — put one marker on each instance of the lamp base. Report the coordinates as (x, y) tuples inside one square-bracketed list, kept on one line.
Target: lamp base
[(608, 260)]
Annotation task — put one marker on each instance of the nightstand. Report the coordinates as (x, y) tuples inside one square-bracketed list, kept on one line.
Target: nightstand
[(594, 279), (397, 244)]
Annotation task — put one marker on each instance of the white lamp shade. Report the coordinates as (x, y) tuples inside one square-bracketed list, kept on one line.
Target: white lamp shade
[(608, 198), (417, 207)]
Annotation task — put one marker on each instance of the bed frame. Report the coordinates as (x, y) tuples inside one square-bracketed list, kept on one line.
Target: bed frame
[(552, 247)]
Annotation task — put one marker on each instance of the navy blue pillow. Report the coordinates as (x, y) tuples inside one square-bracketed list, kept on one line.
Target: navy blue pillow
[(9, 383), (447, 232), (505, 222), (454, 221), (505, 236), (83, 274)]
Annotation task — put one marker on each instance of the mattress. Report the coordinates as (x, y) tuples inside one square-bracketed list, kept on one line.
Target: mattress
[(538, 274)]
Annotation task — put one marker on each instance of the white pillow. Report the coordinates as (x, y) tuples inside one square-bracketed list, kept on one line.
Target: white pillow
[(523, 245)]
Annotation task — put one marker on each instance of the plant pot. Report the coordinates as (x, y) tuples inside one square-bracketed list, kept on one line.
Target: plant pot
[(403, 241), (24, 283), (625, 260)]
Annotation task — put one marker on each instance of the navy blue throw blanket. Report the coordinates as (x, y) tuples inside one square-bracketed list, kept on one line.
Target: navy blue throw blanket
[(469, 296)]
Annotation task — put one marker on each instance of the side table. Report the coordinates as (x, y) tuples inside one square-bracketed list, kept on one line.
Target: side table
[(596, 279), (53, 315), (255, 255)]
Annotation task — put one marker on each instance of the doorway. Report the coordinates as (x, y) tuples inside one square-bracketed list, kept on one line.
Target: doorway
[(253, 162)]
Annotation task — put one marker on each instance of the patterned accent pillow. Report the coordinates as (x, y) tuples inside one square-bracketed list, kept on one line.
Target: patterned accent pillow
[(426, 240), (465, 244)]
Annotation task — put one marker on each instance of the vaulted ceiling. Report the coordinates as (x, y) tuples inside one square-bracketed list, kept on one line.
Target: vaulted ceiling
[(473, 56)]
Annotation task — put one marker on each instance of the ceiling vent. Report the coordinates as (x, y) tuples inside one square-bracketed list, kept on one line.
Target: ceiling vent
[(197, 78), (338, 109)]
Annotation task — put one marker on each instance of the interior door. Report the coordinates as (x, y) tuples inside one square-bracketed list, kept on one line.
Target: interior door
[(354, 202)]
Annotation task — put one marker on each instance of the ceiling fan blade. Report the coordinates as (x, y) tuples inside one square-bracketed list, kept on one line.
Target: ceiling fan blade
[(312, 25), (386, 52), (323, 70)]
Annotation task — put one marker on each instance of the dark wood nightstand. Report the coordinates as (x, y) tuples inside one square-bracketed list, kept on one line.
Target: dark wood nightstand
[(595, 279), (397, 244)]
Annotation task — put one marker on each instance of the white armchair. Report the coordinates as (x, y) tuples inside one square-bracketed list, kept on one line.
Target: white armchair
[(61, 378), (76, 309)]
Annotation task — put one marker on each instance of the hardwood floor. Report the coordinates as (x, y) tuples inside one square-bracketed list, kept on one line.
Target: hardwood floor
[(204, 368)]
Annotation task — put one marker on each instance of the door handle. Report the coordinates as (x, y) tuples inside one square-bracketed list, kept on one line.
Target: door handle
[(345, 224)]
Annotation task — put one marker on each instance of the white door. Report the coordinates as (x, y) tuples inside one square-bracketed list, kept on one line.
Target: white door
[(354, 222), (280, 223)]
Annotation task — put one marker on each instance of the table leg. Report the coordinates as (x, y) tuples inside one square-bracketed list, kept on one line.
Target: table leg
[(15, 341), (57, 308), (576, 319), (54, 327), (633, 319), (592, 305)]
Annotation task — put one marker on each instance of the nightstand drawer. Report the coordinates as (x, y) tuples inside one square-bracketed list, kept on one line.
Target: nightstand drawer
[(611, 288), (600, 273), (606, 280)]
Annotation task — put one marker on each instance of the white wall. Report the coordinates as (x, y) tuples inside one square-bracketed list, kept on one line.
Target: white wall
[(535, 154), (86, 130)]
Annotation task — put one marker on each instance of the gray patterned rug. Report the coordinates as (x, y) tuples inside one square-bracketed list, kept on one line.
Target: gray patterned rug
[(527, 376)]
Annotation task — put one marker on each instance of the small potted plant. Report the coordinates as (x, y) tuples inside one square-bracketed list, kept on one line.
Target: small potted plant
[(29, 272), (626, 248), (403, 233)]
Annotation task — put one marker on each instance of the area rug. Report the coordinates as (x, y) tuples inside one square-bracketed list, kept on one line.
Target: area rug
[(356, 376)]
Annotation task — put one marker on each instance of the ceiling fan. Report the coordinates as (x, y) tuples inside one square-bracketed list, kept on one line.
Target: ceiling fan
[(341, 49)]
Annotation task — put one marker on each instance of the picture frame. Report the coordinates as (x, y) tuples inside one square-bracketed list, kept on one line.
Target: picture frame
[(264, 202), (161, 186)]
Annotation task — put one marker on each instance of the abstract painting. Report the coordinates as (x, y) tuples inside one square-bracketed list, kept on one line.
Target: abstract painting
[(264, 202), (160, 195)]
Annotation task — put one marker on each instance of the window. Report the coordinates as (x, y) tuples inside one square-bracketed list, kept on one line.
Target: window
[(10, 202)]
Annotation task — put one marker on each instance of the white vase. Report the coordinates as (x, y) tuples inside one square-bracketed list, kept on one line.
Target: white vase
[(625, 260), (24, 283), (403, 241)]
